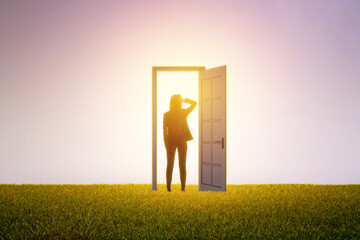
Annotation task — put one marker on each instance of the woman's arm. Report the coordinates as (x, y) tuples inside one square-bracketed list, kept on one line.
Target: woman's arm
[(165, 130), (191, 108)]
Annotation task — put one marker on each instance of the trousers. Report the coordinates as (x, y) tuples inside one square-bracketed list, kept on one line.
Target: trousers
[(181, 146)]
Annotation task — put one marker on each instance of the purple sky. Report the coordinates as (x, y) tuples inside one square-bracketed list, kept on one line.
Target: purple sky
[(75, 86)]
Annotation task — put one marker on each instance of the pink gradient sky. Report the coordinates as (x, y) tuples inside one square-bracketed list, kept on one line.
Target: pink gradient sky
[(75, 86)]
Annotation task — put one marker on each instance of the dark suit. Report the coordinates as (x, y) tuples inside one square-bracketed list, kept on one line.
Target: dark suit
[(176, 135)]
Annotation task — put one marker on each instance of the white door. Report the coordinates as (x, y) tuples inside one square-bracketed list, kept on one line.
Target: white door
[(212, 129)]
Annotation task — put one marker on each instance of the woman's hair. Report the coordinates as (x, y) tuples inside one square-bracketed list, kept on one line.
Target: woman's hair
[(175, 104)]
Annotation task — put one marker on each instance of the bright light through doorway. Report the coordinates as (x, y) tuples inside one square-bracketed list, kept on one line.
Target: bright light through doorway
[(185, 84)]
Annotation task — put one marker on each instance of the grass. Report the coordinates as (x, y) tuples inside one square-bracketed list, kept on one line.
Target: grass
[(134, 211)]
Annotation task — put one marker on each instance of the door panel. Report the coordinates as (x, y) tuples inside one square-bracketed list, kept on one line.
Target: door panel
[(217, 153), (218, 109), (206, 90), (206, 110), (219, 90), (206, 153), (212, 129), (218, 131), (206, 133), (206, 177), (218, 176)]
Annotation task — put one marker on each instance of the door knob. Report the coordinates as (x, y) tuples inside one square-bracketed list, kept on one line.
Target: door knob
[(222, 142)]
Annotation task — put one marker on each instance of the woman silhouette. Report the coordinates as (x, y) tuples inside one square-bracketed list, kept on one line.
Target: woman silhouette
[(176, 135)]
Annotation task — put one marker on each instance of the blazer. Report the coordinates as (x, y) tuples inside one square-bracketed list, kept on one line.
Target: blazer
[(175, 126)]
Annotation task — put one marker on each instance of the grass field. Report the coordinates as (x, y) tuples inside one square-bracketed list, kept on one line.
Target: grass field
[(132, 211)]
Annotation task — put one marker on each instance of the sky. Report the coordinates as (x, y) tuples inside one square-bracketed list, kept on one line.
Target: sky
[(75, 87)]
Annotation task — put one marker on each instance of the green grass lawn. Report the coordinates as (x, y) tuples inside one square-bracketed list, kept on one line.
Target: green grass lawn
[(133, 211)]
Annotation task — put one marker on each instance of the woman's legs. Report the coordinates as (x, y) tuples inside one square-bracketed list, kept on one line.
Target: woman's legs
[(170, 152), (182, 149)]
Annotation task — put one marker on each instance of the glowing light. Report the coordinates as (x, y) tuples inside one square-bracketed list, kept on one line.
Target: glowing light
[(185, 84)]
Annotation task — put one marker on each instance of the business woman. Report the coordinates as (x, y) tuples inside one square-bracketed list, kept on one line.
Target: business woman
[(176, 135)]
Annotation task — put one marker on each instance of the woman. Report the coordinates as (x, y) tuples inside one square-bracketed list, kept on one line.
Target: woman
[(176, 135)]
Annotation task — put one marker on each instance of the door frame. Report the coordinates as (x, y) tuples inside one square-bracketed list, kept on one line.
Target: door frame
[(156, 69)]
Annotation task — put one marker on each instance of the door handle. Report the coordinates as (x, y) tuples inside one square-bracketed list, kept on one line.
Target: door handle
[(222, 142)]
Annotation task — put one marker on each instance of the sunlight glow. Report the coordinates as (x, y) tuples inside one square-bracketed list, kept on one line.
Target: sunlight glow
[(185, 84)]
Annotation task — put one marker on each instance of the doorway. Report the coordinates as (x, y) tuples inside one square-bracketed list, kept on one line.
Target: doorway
[(211, 121), (185, 84)]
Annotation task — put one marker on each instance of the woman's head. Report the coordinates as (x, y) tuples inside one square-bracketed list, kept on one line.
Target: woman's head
[(175, 102)]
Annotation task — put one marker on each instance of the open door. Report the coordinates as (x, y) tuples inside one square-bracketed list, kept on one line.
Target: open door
[(212, 129)]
